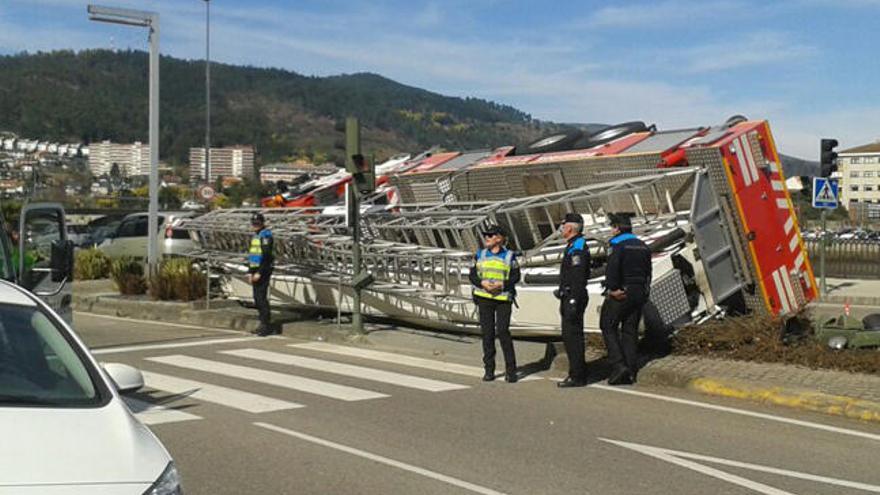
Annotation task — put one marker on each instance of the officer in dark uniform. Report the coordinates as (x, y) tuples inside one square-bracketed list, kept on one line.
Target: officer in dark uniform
[(572, 294), (627, 282), (494, 276), (260, 264)]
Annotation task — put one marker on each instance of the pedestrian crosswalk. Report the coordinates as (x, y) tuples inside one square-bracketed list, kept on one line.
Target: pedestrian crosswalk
[(263, 368)]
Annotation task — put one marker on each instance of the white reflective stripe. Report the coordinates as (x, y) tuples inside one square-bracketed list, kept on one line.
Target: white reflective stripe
[(743, 166), (508, 258), (398, 359), (789, 224), (789, 290), (361, 372), (777, 185), (780, 292), (152, 414), (799, 261), (750, 158), (774, 167), (229, 397), (793, 244), (782, 203), (292, 382)]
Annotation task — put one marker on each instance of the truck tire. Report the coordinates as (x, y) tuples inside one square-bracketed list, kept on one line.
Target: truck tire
[(616, 131), (562, 141)]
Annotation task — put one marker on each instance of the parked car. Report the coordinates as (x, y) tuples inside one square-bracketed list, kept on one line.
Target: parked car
[(193, 205), (130, 237), (102, 228), (79, 235), (64, 426), (846, 332)]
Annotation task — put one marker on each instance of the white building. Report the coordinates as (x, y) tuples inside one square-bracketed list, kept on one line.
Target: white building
[(132, 159), (859, 168), (230, 161)]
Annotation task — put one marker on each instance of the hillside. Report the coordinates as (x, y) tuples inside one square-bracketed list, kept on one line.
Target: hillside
[(99, 94)]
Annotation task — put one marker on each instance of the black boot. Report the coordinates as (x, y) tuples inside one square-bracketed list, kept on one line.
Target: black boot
[(571, 382), (489, 376)]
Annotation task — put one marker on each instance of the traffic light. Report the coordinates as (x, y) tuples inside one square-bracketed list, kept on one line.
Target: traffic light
[(357, 165), (828, 157)]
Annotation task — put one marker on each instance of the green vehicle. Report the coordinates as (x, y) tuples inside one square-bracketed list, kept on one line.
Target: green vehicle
[(846, 332)]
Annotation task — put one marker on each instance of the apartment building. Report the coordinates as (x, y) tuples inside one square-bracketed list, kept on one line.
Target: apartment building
[(859, 170), (132, 159), (230, 161)]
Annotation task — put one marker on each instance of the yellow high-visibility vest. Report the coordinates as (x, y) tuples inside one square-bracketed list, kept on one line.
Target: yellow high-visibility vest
[(493, 267)]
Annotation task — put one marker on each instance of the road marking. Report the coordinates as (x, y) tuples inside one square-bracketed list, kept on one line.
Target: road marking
[(675, 457), (292, 382), (154, 322), (383, 460), (176, 345), (400, 359), (348, 370), (152, 414), (742, 412), (229, 397)]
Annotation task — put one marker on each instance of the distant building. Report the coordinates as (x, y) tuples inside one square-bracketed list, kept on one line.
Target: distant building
[(230, 161), (282, 171), (132, 159), (859, 169)]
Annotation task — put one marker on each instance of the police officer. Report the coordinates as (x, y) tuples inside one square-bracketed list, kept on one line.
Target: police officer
[(260, 264), (572, 294), (494, 276), (627, 282)]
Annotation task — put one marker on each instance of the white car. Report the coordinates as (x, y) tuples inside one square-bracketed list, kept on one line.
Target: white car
[(64, 428)]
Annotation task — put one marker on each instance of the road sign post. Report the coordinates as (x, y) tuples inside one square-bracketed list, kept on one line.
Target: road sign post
[(825, 194)]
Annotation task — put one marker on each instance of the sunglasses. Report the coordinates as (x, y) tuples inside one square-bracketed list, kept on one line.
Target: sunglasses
[(489, 235)]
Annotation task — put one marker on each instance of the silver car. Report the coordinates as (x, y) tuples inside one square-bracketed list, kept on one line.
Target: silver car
[(130, 237)]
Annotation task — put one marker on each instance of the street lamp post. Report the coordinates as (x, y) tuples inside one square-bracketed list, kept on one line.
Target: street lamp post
[(207, 91), (149, 20)]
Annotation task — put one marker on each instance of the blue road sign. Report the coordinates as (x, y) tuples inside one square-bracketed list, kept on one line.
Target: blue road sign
[(824, 193)]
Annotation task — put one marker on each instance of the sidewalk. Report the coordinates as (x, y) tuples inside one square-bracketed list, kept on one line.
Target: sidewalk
[(829, 392), (852, 291)]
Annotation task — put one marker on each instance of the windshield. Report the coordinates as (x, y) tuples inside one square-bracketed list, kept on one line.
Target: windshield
[(38, 366)]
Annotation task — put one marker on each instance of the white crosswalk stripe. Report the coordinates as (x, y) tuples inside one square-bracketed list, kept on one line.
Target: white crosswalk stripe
[(361, 372), (152, 414), (400, 359), (293, 382), (229, 397)]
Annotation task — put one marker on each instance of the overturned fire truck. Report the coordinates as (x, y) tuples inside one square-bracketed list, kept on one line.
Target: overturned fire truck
[(711, 203)]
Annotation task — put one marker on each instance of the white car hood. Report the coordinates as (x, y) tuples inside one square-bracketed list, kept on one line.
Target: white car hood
[(63, 447)]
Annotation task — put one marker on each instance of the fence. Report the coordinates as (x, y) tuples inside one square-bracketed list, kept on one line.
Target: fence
[(848, 258)]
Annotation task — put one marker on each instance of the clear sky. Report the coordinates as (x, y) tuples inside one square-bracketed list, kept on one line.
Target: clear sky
[(807, 66)]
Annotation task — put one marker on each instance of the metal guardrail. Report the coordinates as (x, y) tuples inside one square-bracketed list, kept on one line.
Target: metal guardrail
[(847, 258)]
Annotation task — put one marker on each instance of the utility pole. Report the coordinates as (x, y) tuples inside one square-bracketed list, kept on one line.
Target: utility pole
[(208, 92), (149, 20)]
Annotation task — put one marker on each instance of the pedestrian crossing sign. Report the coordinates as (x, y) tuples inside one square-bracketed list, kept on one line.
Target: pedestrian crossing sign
[(824, 193)]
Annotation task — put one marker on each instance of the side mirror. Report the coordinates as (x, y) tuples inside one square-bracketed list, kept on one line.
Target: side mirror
[(126, 378), (61, 261)]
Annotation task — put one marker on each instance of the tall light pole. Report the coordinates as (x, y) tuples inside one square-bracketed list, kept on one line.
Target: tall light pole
[(207, 91), (149, 20)]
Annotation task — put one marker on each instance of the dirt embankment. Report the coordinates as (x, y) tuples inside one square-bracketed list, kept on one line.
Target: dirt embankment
[(759, 338)]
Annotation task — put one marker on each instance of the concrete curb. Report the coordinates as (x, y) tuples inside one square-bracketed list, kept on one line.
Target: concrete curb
[(835, 405)]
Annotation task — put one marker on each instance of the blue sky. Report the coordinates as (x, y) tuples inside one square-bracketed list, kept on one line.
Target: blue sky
[(807, 66)]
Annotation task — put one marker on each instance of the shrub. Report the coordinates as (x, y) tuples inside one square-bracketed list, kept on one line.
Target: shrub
[(91, 264), (128, 276), (177, 280)]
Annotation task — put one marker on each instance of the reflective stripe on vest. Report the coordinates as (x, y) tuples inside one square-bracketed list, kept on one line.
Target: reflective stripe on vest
[(490, 267), (255, 253)]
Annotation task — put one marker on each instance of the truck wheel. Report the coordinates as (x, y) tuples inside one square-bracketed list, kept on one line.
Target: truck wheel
[(616, 131), (555, 142)]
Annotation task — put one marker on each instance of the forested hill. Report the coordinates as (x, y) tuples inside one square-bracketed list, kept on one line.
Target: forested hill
[(99, 94)]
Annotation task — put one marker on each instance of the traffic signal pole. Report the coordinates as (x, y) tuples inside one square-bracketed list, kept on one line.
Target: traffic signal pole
[(352, 149), (822, 243)]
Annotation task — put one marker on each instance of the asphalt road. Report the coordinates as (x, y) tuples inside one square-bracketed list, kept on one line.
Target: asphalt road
[(271, 416)]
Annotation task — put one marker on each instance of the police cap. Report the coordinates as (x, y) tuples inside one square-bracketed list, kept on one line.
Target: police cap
[(258, 219), (573, 218), (495, 229)]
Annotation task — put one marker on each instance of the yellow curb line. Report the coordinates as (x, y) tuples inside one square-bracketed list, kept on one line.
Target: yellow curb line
[(836, 405)]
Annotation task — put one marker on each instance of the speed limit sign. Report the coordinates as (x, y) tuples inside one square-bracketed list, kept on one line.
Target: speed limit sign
[(206, 193)]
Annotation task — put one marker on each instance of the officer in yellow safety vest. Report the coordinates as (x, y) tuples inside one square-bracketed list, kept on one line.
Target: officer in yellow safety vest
[(494, 277), (260, 264)]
